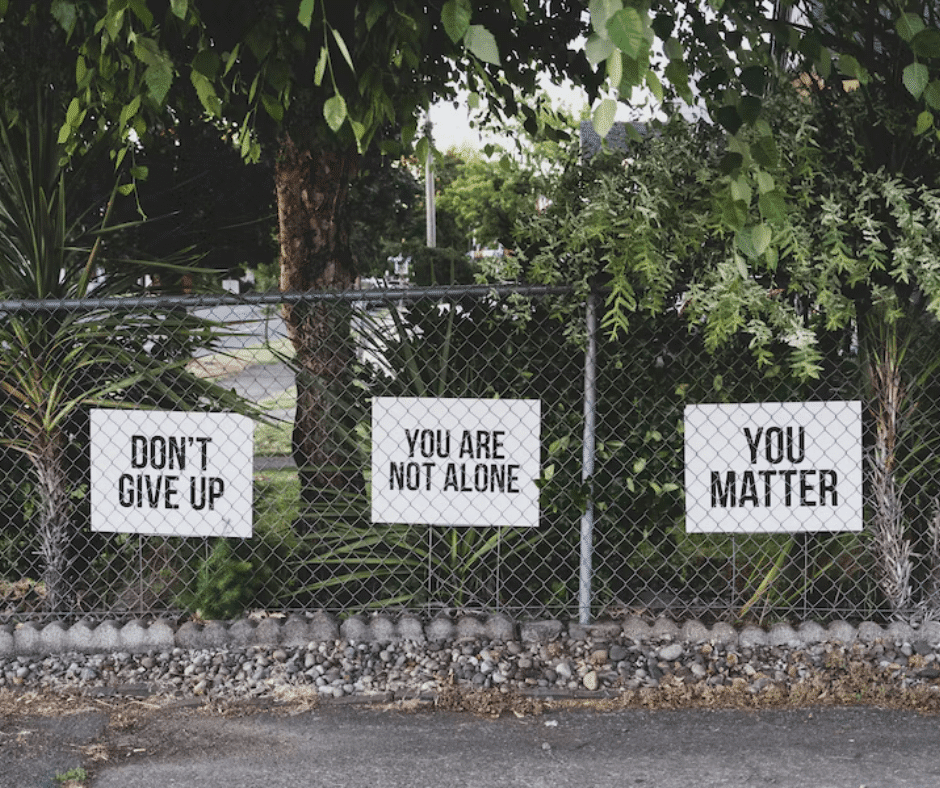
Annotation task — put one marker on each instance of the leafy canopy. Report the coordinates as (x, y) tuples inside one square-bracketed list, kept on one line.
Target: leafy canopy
[(327, 72)]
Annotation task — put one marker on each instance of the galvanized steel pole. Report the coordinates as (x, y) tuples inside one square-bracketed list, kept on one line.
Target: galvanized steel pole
[(587, 460)]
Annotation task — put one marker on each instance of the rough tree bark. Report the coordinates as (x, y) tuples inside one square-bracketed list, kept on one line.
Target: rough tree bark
[(889, 404), (312, 188), (55, 521)]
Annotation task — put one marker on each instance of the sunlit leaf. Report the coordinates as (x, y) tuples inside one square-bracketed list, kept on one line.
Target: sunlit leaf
[(305, 12), (604, 116), (909, 25), (627, 31), (916, 76), (455, 16), (481, 43), (334, 111)]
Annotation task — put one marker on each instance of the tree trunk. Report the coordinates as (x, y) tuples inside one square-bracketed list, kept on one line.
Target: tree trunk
[(312, 189), (889, 404), (55, 517)]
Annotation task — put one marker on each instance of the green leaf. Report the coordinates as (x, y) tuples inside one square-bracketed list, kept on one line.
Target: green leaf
[(627, 31), (159, 78), (754, 79), (765, 152), (519, 9), (305, 13), (598, 49), (179, 8), (772, 206), (740, 191), (932, 95), (753, 241), (604, 116), (673, 49), (140, 172), (422, 148), (926, 43), (909, 25), (341, 45), (334, 111), (207, 95), (147, 51), (144, 14), (916, 76), (654, 85), (849, 66), (321, 66), (207, 63), (734, 213), (63, 11), (359, 131), (72, 113), (273, 107), (615, 67), (601, 11), (677, 72), (750, 109), (765, 181), (232, 58), (455, 16), (481, 43), (924, 122), (113, 22), (81, 71), (128, 111), (731, 163), (376, 9), (729, 118)]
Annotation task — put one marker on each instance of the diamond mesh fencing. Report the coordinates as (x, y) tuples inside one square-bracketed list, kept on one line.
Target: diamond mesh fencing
[(482, 449)]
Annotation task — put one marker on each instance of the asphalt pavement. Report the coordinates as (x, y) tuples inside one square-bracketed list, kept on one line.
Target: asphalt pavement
[(355, 746)]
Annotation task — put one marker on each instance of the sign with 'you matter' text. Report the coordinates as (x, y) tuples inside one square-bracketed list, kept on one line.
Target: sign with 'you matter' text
[(773, 467), (171, 473), (455, 461)]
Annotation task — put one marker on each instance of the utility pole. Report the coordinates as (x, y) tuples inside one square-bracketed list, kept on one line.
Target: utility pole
[(430, 212)]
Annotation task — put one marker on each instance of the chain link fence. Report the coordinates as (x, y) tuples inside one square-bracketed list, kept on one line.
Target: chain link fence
[(378, 480)]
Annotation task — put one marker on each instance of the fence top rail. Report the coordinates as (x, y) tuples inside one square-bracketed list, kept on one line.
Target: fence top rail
[(133, 303)]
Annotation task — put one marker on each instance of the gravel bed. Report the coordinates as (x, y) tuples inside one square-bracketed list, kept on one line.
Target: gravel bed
[(562, 667)]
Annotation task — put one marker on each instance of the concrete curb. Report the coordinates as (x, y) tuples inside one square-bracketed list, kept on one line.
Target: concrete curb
[(296, 630)]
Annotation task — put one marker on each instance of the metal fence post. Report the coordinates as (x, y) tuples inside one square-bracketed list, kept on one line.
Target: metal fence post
[(587, 460)]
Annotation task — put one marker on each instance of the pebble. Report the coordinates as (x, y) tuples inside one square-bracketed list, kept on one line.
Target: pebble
[(340, 668), (671, 652)]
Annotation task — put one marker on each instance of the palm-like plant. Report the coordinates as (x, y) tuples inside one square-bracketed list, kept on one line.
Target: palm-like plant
[(55, 362)]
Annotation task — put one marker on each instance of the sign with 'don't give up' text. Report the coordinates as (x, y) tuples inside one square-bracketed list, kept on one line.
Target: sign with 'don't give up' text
[(171, 473)]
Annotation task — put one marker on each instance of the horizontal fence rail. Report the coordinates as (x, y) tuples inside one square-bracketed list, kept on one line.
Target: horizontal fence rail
[(441, 449)]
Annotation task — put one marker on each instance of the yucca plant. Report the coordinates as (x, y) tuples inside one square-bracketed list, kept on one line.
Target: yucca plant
[(56, 363)]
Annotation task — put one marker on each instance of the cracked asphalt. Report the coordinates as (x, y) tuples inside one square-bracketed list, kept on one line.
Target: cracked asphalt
[(139, 744)]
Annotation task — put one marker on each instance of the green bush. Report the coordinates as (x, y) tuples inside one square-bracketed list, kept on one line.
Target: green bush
[(239, 575)]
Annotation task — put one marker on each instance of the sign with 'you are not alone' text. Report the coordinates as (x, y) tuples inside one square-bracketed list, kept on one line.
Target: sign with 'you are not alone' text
[(456, 461), (773, 467), (171, 473)]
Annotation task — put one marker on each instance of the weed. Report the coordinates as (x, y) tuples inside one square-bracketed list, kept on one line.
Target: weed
[(73, 778)]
